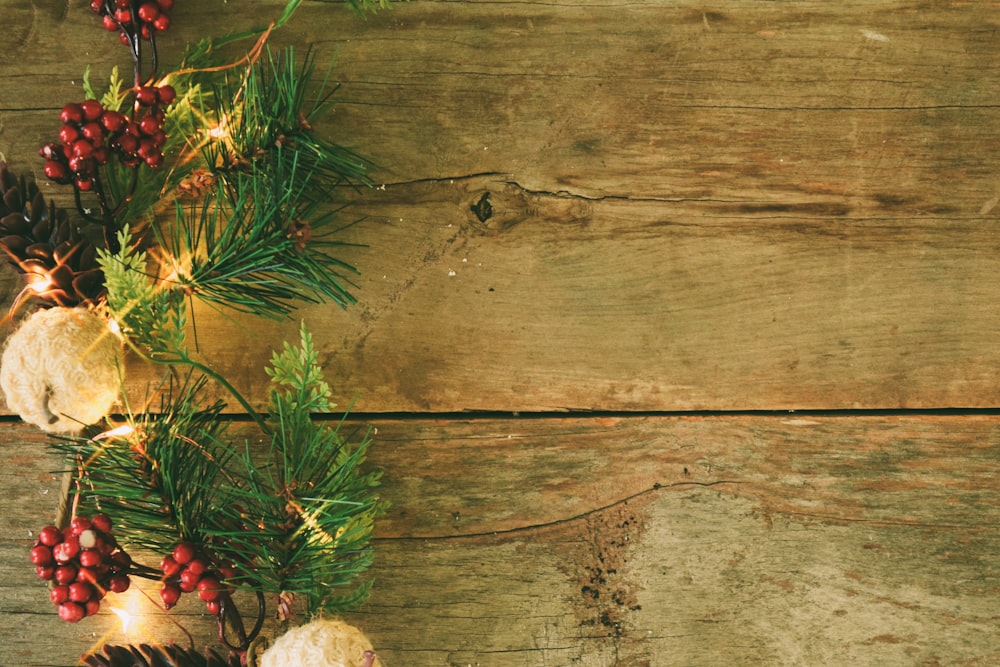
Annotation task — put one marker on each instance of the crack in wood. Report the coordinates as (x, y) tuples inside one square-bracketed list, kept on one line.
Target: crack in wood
[(557, 522)]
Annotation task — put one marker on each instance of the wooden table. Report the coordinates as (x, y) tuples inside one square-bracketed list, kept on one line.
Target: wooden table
[(677, 325)]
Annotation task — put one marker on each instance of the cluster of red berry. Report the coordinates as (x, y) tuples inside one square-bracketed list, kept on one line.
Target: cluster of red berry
[(84, 561), (186, 570), (131, 17), (91, 132)]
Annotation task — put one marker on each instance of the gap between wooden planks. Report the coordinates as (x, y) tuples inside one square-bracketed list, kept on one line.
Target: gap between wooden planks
[(637, 541)]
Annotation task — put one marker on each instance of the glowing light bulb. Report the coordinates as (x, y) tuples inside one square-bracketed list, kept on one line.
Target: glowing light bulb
[(122, 431), (126, 618), (39, 282), (220, 131)]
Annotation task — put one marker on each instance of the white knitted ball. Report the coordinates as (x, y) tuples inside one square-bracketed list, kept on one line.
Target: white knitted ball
[(60, 369), (322, 642)]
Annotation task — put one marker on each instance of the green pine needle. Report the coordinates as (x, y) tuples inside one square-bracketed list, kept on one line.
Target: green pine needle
[(159, 481), (312, 507)]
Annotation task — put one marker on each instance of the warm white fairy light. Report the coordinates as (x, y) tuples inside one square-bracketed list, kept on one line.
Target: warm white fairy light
[(122, 431), (220, 131), (126, 608), (114, 328), (39, 282), (125, 617)]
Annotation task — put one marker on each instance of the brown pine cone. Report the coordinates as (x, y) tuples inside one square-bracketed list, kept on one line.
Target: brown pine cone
[(146, 655), (41, 243)]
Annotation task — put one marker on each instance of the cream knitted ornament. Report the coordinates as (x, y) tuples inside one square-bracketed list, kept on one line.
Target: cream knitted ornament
[(60, 369), (322, 642)]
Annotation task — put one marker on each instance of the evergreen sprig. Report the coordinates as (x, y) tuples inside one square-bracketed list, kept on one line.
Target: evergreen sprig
[(268, 118), (246, 247), (151, 313), (312, 505), (159, 479), (149, 316)]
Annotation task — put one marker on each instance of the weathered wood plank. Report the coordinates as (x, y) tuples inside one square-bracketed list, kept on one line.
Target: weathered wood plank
[(759, 206), (648, 541)]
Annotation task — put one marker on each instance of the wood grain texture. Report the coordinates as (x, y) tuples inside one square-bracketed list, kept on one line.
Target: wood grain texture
[(756, 206), (641, 541), (652, 206)]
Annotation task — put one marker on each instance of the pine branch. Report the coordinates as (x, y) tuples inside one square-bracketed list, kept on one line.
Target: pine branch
[(312, 506), (242, 250), (159, 478), (266, 110), (152, 316)]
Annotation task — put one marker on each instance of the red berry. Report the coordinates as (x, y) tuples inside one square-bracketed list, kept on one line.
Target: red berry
[(147, 148), (209, 588), (189, 581), (92, 110), (65, 574), (127, 143), (166, 94), (121, 561), (84, 184), (149, 125), (123, 3), (71, 612), (124, 39), (88, 575), (96, 6), (95, 133), (112, 122), (170, 594), (82, 167), (80, 591), (149, 11), (67, 550), (159, 138), (80, 523), (50, 535), (50, 151), (68, 134), (91, 558), (184, 552), (146, 95), (123, 16), (83, 148), (102, 522), (213, 607), (89, 539), (71, 113), (101, 156), (45, 572), (161, 23), (92, 607), (165, 5), (154, 161), (169, 566), (41, 555), (119, 583), (59, 594), (109, 22), (144, 31), (197, 567)]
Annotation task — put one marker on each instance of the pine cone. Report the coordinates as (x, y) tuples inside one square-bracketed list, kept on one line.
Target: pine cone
[(146, 655), (44, 246)]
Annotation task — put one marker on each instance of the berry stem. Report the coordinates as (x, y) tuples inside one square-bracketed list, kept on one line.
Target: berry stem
[(230, 615)]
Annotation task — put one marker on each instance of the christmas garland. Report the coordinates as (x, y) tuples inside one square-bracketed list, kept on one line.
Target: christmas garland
[(202, 182)]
